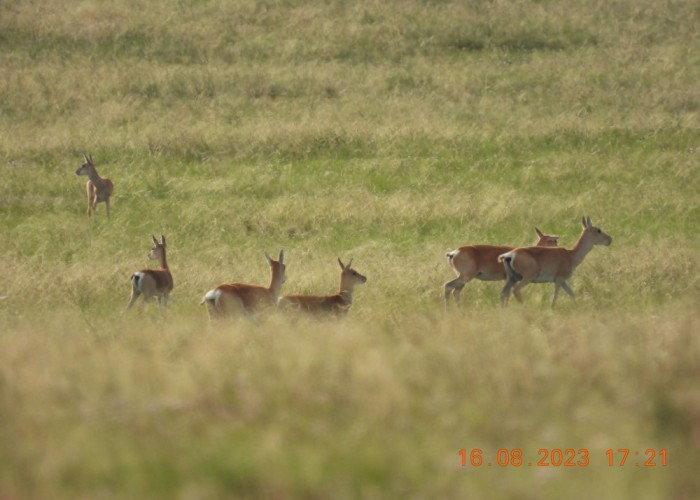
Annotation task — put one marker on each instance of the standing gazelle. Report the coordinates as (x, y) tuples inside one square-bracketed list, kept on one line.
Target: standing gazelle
[(549, 265), (338, 304), (98, 188), (232, 298), (481, 262), (153, 282)]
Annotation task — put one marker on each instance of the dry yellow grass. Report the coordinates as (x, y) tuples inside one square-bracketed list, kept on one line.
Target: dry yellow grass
[(387, 132)]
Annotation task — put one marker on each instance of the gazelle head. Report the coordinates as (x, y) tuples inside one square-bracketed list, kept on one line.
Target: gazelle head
[(86, 167), (593, 234), (158, 250), (277, 267), (349, 274), (546, 240)]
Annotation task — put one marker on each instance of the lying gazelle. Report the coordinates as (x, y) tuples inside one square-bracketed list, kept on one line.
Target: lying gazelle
[(98, 188), (481, 262), (548, 265), (337, 304), (238, 298), (153, 282)]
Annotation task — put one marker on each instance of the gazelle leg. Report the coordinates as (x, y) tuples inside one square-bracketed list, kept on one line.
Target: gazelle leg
[(505, 293), (456, 293), (516, 289), (163, 304), (134, 295), (135, 289), (146, 298), (565, 286), (556, 293), (454, 287), (89, 198), (567, 289)]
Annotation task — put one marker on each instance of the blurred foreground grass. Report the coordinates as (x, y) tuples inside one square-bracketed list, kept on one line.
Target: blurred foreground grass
[(138, 407)]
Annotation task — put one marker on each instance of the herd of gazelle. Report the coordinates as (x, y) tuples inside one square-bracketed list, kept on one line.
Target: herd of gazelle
[(545, 262), (241, 299), (481, 262)]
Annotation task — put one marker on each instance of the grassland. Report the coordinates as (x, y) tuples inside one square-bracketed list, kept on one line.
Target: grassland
[(389, 132)]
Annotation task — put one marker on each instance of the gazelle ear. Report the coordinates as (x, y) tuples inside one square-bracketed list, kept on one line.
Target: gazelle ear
[(349, 264), (281, 257), (162, 240), (588, 222), (539, 233), (583, 222), (87, 160), (342, 266), (269, 259), (153, 237)]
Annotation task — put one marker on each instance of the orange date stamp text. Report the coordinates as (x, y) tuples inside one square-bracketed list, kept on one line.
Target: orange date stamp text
[(557, 457)]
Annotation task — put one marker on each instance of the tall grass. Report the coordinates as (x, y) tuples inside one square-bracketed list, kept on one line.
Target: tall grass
[(388, 132)]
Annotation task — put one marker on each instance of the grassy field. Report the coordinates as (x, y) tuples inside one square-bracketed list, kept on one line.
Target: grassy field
[(387, 132)]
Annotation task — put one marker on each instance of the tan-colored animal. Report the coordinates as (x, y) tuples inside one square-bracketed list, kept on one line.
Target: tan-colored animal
[(99, 189), (481, 262), (241, 299), (338, 304), (549, 265), (153, 282)]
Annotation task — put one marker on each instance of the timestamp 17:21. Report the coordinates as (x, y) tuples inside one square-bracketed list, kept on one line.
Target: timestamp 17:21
[(619, 456)]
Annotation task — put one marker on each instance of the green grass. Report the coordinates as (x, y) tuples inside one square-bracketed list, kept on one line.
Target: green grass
[(387, 132)]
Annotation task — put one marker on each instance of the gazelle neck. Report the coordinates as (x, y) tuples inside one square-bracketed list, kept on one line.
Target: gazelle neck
[(581, 249), (275, 283), (163, 260), (346, 287)]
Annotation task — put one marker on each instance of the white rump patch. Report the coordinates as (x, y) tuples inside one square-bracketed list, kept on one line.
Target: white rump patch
[(506, 255), (212, 296), (137, 280)]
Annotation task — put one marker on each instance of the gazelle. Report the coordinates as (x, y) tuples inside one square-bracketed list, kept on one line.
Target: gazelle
[(153, 282), (232, 298), (98, 188), (481, 262), (338, 304), (549, 265)]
